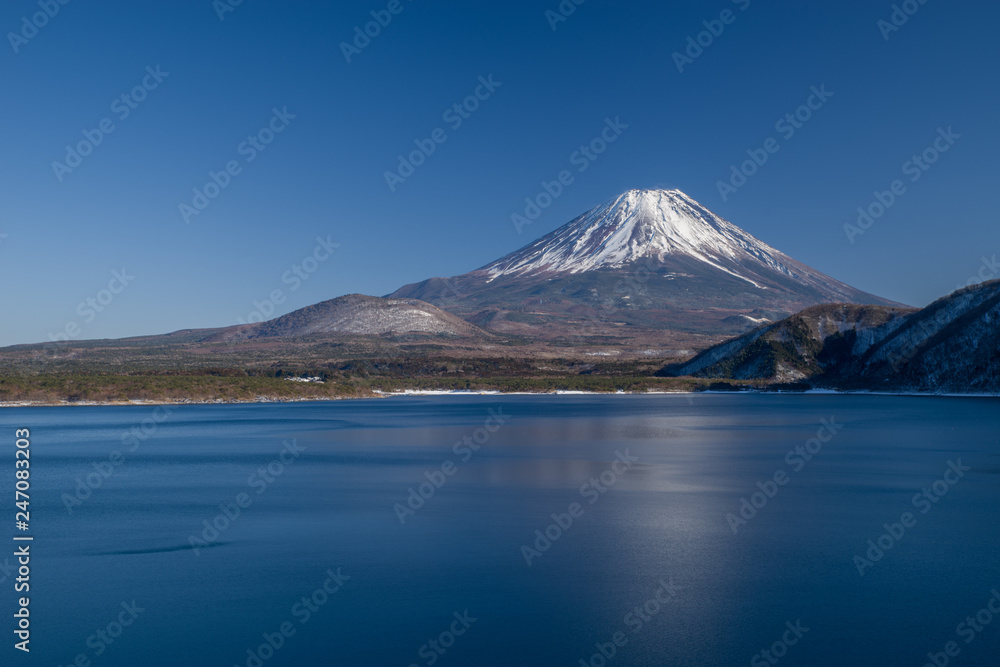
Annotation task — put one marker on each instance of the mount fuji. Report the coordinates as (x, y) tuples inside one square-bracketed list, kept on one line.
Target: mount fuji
[(644, 263)]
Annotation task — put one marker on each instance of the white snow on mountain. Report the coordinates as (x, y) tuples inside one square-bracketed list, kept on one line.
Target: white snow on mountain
[(644, 224)]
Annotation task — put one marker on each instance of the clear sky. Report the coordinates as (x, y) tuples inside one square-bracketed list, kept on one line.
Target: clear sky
[(323, 175)]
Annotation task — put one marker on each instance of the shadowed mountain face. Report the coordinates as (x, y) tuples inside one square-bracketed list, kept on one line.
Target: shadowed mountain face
[(801, 346), (952, 345), (653, 260)]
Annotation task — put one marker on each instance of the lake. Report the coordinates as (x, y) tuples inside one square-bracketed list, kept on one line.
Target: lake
[(511, 530)]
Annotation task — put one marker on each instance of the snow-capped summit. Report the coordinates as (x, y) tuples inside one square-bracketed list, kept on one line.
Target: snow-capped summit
[(642, 224)]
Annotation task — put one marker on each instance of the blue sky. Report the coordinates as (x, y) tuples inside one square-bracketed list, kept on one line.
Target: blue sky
[(323, 175)]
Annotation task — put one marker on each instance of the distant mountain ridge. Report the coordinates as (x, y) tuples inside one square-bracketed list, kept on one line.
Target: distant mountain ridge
[(627, 283), (644, 279)]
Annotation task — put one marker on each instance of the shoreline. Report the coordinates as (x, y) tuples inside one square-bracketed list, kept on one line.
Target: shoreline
[(265, 400)]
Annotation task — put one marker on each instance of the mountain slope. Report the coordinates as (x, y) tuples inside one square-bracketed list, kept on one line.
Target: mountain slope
[(651, 260), (952, 345), (360, 315)]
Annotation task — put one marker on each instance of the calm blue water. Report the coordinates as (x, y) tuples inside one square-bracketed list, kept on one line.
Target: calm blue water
[(661, 519)]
